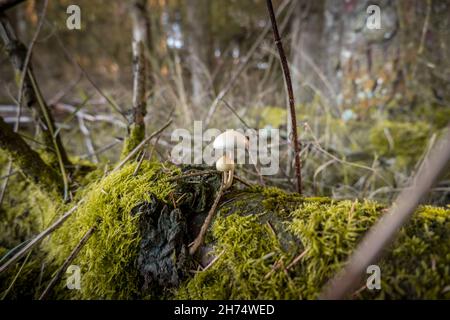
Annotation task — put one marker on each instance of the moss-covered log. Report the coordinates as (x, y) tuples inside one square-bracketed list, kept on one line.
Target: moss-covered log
[(28, 161), (263, 244)]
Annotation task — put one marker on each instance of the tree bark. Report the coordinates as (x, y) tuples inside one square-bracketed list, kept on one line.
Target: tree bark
[(361, 63), (28, 161)]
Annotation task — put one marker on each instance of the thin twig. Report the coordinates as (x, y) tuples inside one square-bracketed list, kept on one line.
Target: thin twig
[(50, 126), (214, 260), (241, 180), (11, 285), (101, 150), (241, 67), (87, 139), (140, 146), (38, 238), (141, 159), (297, 259), (287, 76), (9, 175), (201, 235), (67, 262), (235, 113)]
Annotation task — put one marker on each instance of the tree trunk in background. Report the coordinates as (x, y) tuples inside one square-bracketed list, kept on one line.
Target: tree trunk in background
[(141, 40), (362, 64), (307, 49), (197, 44)]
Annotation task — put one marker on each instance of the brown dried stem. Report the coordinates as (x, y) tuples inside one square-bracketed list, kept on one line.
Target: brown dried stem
[(287, 77)]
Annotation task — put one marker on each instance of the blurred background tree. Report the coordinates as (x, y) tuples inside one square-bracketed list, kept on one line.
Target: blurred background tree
[(370, 103)]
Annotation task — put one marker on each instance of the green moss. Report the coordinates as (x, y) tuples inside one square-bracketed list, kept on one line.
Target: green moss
[(401, 140), (259, 234), (258, 249), (107, 261), (24, 212), (135, 136)]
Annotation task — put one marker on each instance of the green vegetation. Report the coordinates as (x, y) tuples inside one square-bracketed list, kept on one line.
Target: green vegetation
[(404, 141), (258, 236), (259, 260), (109, 256)]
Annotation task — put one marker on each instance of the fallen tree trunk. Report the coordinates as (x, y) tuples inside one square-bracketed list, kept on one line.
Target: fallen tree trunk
[(263, 244)]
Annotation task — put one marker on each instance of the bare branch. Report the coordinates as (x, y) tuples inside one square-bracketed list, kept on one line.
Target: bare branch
[(287, 76), (140, 146), (241, 67), (67, 262), (30, 245), (201, 235)]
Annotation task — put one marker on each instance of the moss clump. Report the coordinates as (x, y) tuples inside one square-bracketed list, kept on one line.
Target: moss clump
[(259, 250), (135, 136), (107, 261), (401, 140)]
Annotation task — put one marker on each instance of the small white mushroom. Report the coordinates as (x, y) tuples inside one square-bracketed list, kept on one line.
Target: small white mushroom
[(226, 165), (229, 140)]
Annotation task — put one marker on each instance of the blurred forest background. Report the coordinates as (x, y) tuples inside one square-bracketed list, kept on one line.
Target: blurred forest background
[(370, 103)]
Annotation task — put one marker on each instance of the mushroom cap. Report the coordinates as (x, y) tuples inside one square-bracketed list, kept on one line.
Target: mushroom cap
[(224, 163), (229, 140)]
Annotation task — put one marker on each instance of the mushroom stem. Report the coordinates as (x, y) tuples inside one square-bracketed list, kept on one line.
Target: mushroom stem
[(228, 178)]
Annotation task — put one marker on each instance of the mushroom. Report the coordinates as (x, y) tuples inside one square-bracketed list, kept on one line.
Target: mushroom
[(226, 165), (228, 141)]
